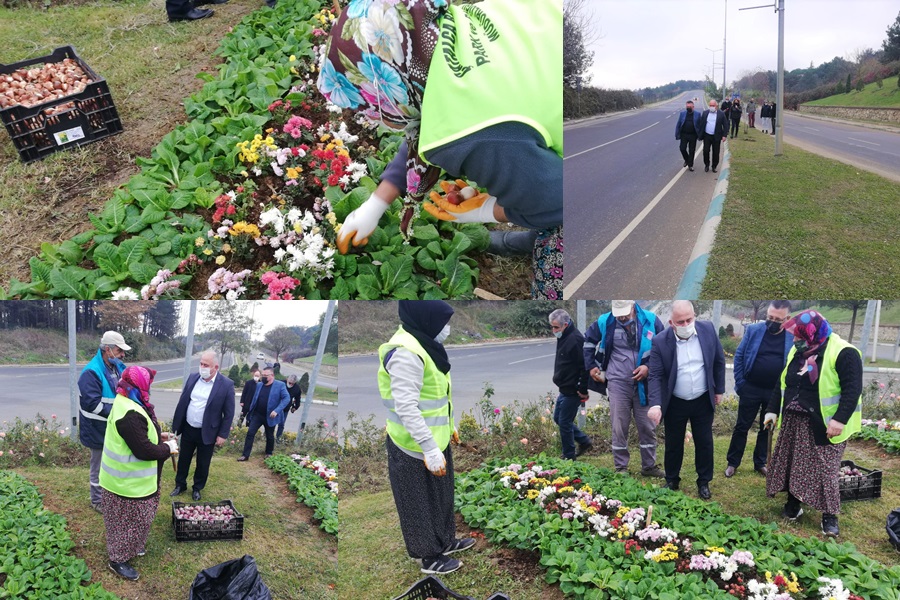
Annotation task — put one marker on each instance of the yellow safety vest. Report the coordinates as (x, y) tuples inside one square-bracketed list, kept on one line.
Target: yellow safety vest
[(434, 400), (829, 388), (495, 61), (121, 472)]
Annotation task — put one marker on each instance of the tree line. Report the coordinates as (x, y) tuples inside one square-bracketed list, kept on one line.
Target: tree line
[(155, 319)]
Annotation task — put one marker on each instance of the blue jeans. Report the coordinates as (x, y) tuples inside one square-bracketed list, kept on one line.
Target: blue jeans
[(564, 414)]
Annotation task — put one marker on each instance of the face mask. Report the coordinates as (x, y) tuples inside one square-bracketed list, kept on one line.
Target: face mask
[(801, 346), (443, 335), (684, 332), (557, 334), (256, 378), (773, 327), (264, 379), (626, 323), (205, 372), (711, 109), (690, 110), (118, 364)]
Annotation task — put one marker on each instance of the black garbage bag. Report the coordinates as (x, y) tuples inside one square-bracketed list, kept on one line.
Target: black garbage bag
[(236, 579), (893, 528)]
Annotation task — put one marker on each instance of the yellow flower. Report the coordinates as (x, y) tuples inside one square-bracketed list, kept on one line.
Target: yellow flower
[(220, 259), (241, 227), (623, 510), (330, 146), (532, 494), (509, 474), (208, 252), (343, 152), (199, 242), (293, 172), (566, 490), (587, 488), (338, 142), (298, 227), (769, 576), (332, 218), (226, 247), (292, 58), (245, 174), (324, 137)]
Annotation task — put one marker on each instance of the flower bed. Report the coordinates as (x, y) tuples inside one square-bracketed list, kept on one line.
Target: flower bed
[(600, 545), (885, 434), (35, 559), (315, 483), (245, 200)]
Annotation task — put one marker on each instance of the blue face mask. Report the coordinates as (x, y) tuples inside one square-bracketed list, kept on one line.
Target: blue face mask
[(625, 323), (118, 364)]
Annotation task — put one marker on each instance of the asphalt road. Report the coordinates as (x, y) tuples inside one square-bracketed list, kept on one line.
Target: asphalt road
[(633, 212), (870, 149), (28, 390)]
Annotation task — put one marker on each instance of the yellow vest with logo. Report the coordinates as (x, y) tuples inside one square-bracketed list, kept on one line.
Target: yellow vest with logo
[(434, 399), (495, 61), (121, 472), (829, 388)]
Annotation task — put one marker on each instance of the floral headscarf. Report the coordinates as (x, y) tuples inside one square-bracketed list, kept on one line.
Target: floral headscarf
[(135, 384), (811, 327), (377, 63)]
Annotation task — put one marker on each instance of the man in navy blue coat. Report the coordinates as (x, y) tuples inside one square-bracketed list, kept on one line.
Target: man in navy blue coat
[(758, 362), (266, 410), (202, 419), (714, 129), (687, 381), (687, 129)]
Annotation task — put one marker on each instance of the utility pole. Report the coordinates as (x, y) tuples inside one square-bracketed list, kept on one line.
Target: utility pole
[(717, 314), (724, 38), (875, 335), (189, 342), (320, 352), (867, 327), (779, 89), (73, 378)]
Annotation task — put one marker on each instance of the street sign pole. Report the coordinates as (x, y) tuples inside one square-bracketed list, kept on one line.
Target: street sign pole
[(73, 377), (320, 352)]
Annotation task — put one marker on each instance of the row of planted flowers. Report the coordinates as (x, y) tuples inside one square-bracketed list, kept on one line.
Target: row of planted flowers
[(35, 549), (315, 483), (606, 545), (885, 433)]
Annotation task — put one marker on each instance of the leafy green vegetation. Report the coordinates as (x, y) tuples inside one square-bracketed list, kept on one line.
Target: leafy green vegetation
[(315, 483), (888, 95)]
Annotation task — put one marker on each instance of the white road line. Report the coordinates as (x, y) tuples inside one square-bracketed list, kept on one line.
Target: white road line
[(598, 261), (863, 141), (810, 128), (611, 142), (515, 362)]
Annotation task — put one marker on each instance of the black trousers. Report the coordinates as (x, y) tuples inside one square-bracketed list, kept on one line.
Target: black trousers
[(735, 127), (688, 147), (699, 412), (253, 424), (750, 406), (192, 440), (714, 142), (178, 8)]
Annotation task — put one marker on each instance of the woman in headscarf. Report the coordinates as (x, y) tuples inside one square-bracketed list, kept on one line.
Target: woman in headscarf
[(818, 407), (414, 381), (130, 468), (476, 90)]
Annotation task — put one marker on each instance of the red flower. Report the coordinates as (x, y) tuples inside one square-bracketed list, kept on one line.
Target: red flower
[(780, 581), (295, 151), (333, 180)]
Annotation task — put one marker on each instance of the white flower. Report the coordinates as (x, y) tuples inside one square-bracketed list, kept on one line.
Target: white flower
[(276, 169), (381, 30), (274, 217), (125, 294), (232, 295), (334, 108), (231, 194), (294, 215), (344, 180), (279, 254), (256, 171)]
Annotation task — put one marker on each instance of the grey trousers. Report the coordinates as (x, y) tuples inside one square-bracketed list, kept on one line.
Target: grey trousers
[(624, 402), (95, 475)]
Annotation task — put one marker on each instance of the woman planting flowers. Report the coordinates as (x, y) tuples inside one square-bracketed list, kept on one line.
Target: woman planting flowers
[(818, 408), (460, 82)]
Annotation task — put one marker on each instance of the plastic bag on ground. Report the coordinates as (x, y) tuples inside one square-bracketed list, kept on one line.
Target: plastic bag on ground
[(236, 579), (893, 528)]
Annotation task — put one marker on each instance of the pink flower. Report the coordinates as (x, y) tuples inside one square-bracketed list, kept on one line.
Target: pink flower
[(412, 181), (524, 441), (41, 455), (36, 428), (1, 452), (519, 419), (881, 385), (496, 412), (52, 416), (2, 434), (62, 432)]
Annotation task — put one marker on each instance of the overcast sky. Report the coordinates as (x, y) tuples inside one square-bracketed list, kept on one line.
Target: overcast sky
[(268, 314), (648, 43)]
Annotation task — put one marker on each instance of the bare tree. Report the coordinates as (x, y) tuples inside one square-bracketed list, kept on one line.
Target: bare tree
[(579, 33)]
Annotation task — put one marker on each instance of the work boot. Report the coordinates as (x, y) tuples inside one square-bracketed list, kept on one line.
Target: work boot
[(512, 243), (653, 472), (830, 525), (124, 570)]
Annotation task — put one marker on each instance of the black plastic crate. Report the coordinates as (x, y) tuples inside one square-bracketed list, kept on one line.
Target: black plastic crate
[(37, 134), (191, 531), (498, 596), (859, 487), (431, 587)]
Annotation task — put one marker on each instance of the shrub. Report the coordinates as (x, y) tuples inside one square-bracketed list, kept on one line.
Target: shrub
[(234, 374), (39, 442)]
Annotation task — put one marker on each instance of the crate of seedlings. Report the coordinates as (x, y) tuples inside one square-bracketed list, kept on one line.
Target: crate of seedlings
[(431, 587), (204, 521), (55, 102), (857, 483)]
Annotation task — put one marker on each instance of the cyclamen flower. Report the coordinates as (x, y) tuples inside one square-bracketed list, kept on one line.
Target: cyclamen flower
[(125, 294)]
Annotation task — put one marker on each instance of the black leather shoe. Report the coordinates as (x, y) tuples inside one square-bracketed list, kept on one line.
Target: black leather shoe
[(582, 448), (690, 168), (671, 485), (177, 491), (196, 496), (706, 168), (242, 459), (703, 492), (715, 170), (124, 570), (192, 15)]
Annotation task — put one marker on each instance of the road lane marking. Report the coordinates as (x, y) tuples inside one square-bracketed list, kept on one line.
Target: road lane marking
[(608, 143), (810, 128), (863, 141), (515, 362), (598, 261)]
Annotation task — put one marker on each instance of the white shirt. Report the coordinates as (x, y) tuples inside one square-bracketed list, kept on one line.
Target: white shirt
[(711, 124), (690, 380), (199, 398)]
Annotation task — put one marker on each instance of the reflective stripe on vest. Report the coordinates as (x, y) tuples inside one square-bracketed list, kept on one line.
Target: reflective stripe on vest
[(435, 401), (121, 472), (829, 388), (495, 61)]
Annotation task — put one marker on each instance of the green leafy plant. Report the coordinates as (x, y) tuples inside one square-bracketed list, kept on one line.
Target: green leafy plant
[(309, 478)]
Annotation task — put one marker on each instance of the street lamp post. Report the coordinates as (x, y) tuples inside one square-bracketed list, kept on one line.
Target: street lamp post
[(724, 46), (713, 78), (777, 125)]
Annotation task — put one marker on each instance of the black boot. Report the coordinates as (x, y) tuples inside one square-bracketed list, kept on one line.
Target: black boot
[(512, 243)]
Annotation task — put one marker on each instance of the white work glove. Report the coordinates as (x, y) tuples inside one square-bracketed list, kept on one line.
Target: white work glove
[(361, 223), (770, 419), (173, 446), (478, 209), (436, 463)]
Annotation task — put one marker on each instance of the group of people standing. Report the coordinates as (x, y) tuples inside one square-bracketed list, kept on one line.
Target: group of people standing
[(792, 373)]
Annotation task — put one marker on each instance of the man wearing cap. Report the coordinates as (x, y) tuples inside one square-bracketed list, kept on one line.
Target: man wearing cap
[(96, 388), (203, 419), (617, 357), (571, 379)]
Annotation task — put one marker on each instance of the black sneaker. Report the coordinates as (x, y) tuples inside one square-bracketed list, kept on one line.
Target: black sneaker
[(460, 545), (791, 512), (830, 525), (440, 564), (582, 448), (124, 570)]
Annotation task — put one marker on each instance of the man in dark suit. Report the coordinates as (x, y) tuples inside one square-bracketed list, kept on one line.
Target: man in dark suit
[(687, 129), (714, 129), (266, 410), (203, 419), (187, 10), (687, 380)]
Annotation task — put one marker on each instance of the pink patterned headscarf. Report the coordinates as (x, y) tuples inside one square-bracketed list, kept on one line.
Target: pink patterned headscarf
[(811, 327), (135, 384)]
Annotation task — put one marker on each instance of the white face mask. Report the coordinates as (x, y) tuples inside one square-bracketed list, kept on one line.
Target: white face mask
[(558, 334), (256, 378), (205, 372), (443, 335), (712, 109), (685, 331)]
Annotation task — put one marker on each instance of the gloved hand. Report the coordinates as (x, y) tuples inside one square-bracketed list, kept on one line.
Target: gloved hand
[(173, 446), (454, 439), (477, 209), (361, 223), (436, 463), (769, 420)]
